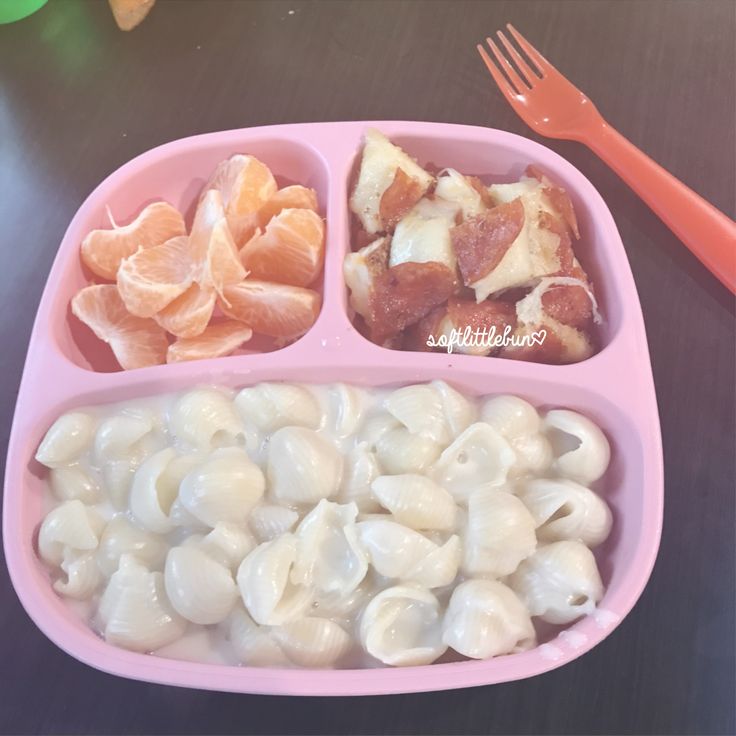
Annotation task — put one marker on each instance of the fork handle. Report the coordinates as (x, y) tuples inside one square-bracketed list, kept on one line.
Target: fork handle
[(706, 231)]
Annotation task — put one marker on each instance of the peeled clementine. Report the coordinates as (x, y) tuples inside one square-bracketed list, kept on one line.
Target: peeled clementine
[(212, 245), (245, 184), (189, 314), (216, 341), (153, 277), (292, 197), (103, 250), (272, 309), (290, 251), (136, 342)]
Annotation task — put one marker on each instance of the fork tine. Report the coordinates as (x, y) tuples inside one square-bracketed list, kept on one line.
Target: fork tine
[(511, 73), (524, 68), (503, 84), (541, 63)]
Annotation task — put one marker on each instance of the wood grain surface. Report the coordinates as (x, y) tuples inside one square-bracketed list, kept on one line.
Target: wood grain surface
[(78, 98)]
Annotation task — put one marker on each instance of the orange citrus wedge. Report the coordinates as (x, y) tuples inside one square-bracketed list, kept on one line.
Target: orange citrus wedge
[(216, 341), (212, 245), (189, 314), (103, 250), (246, 184), (272, 309), (292, 197), (290, 251), (136, 342), (152, 278)]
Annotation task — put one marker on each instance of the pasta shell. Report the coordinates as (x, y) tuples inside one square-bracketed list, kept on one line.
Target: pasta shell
[(581, 449), (176, 471), (346, 406), (402, 626), (253, 645), (225, 487), (500, 534), (415, 501), (265, 585), (82, 575), (70, 482), (559, 582), (124, 437), (269, 522), (563, 509), (313, 642), (303, 467), (153, 492), (479, 458), (134, 612), (484, 619), (399, 451), (533, 453), (117, 477), (67, 438), (459, 412), (200, 588), (270, 406), (184, 521), (206, 419), (329, 556), (181, 465), (439, 568), (394, 550), (374, 428), (419, 408), (510, 416), (360, 471), (340, 605), (228, 544), (69, 526), (121, 537)]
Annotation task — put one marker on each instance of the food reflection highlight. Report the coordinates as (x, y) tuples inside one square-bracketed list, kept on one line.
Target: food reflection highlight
[(325, 526)]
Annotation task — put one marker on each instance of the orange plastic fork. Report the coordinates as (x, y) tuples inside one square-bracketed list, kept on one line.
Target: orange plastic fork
[(550, 104)]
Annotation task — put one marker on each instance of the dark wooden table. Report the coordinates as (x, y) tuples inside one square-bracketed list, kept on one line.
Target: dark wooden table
[(79, 98)]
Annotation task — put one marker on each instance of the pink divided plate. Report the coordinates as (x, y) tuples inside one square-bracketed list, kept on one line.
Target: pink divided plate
[(66, 368)]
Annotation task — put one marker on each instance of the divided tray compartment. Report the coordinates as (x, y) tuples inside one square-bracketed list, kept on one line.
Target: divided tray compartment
[(613, 387)]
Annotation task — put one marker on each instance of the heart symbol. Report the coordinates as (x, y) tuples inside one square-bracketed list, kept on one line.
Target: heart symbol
[(538, 337)]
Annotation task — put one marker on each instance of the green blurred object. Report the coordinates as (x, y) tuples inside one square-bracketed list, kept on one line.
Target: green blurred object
[(13, 10)]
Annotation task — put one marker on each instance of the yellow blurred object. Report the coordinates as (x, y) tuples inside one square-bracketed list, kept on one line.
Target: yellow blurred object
[(129, 13)]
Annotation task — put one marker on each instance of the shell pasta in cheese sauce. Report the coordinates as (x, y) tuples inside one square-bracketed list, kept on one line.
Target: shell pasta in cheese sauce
[(291, 525)]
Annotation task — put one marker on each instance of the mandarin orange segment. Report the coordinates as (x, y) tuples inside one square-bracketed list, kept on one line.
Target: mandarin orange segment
[(136, 342), (152, 278), (292, 197), (189, 314), (246, 184), (129, 13), (290, 251), (277, 310), (216, 341), (103, 250), (212, 245)]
